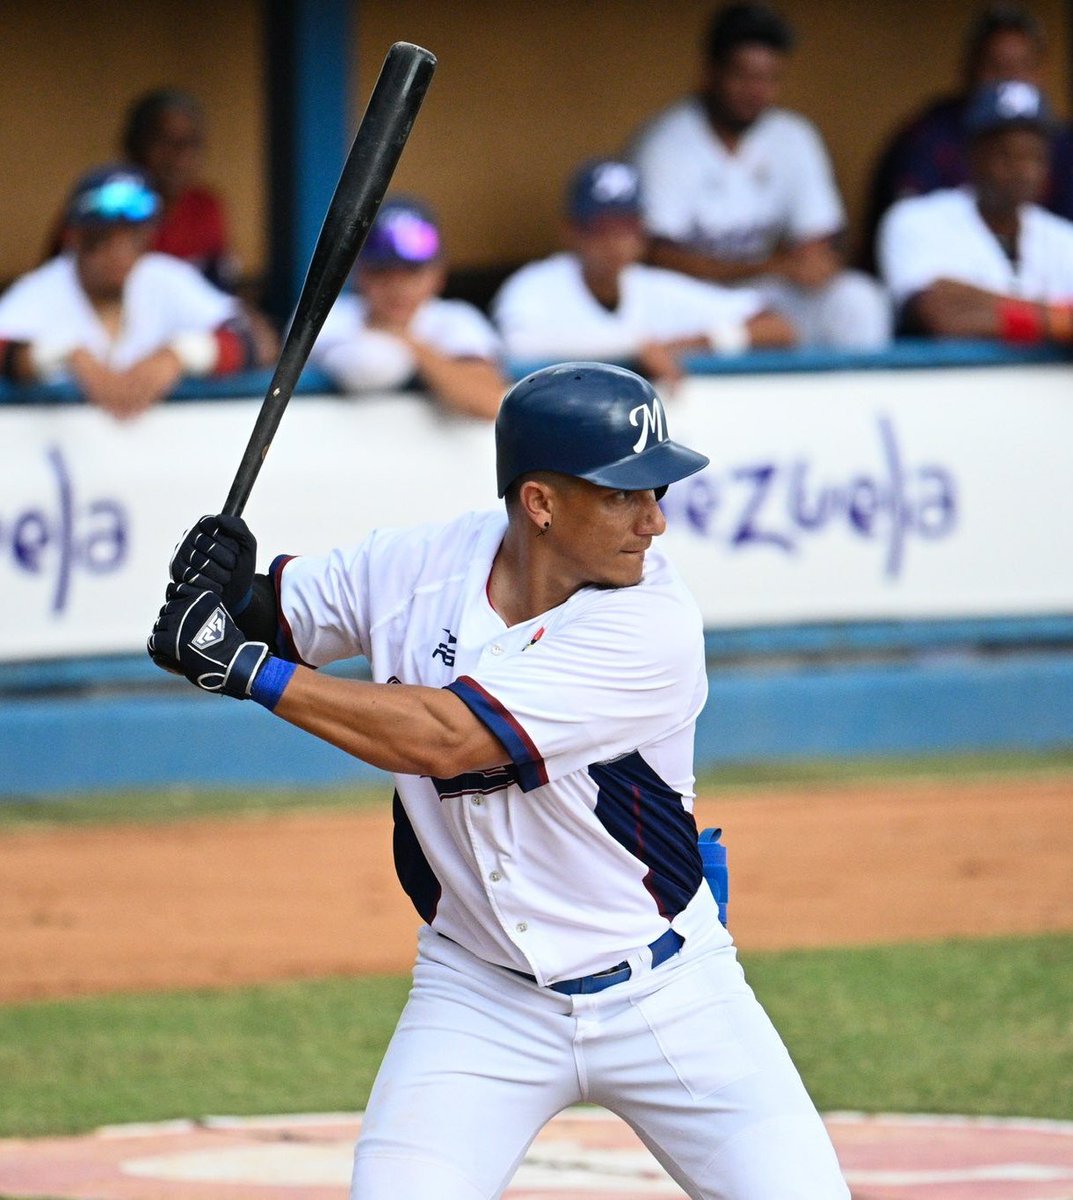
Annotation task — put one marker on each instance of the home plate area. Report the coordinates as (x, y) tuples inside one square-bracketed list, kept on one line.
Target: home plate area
[(584, 1153)]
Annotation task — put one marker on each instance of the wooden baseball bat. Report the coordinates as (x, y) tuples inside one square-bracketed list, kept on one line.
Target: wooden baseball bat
[(381, 136)]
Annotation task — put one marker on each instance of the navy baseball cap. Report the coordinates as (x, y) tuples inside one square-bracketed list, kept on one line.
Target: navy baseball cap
[(604, 187), (1009, 104), (113, 193), (404, 234)]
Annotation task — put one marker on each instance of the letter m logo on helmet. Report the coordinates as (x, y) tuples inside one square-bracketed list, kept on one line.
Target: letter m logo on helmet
[(650, 419), (593, 421)]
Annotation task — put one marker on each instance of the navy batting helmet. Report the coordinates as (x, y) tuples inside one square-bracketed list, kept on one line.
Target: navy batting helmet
[(593, 421)]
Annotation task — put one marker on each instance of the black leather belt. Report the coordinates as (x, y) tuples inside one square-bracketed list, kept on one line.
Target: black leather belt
[(665, 946)]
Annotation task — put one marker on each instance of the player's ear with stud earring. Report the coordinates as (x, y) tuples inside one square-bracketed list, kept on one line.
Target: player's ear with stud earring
[(544, 529)]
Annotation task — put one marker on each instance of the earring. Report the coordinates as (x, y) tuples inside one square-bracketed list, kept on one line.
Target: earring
[(541, 532)]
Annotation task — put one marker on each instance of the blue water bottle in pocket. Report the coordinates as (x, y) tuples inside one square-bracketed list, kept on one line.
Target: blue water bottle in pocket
[(713, 857)]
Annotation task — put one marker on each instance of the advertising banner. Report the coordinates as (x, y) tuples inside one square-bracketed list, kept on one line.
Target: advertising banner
[(831, 496)]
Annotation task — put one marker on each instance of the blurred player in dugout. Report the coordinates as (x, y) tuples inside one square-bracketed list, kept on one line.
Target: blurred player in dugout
[(1005, 43), (396, 331), (597, 299), (740, 191), (163, 136), (986, 260), (121, 322)]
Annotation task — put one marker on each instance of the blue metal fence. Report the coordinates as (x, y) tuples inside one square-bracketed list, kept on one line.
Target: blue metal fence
[(801, 693)]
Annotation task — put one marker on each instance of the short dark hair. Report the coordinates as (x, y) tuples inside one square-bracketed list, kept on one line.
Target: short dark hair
[(143, 118), (737, 24), (1000, 18)]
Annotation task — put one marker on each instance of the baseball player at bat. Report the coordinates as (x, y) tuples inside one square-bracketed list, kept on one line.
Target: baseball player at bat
[(537, 675)]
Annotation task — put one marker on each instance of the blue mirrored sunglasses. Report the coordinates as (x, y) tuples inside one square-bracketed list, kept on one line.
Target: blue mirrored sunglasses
[(118, 200)]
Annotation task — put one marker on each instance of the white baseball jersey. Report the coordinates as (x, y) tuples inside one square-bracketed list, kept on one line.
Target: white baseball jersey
[(777, 185), (359, 358), (162, 298), (582, 849), (546, 310), (942, 236)]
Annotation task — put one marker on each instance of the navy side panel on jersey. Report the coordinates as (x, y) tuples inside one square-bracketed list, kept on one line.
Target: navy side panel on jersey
[(415, 874), (646, 817)]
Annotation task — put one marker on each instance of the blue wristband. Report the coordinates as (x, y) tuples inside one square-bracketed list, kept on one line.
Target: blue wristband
[(271, 681)]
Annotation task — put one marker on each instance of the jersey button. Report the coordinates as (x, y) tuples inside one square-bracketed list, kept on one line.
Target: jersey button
[(521, 927), (476, 800), (496, 649), (495, 877)]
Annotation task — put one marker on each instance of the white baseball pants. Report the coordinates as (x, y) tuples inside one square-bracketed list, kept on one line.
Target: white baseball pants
[(482, 1059)]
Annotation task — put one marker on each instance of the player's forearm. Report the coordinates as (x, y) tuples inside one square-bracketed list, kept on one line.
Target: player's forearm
[(949, 308), (102, 387), (472, 387), (160, 372), (771, 329), (40, 359), (408, 729)]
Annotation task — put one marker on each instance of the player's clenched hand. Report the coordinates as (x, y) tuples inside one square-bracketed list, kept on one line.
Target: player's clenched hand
[(810, 264), (196, 636), (218, 555)]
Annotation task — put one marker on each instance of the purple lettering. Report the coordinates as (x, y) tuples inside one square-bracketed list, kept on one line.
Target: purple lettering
[(56, 539), (104, 544), (778, 505), (702, 501), (748, 531), (864, 505), (935, 514)]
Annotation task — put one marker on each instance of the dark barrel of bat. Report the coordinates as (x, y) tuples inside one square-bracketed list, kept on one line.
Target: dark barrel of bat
[(382, 134)]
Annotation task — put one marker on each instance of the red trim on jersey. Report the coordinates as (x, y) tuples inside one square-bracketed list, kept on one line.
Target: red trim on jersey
[(534, 759), (275, 572)]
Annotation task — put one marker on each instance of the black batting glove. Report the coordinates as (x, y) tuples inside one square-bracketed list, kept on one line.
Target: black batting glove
[(218, 555), (196, 636)]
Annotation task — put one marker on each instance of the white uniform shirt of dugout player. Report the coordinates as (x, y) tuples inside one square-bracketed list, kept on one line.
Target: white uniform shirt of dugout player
[(399, 332), (738, 190)]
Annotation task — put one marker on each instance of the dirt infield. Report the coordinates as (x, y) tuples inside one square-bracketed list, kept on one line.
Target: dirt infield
[(220, 902)]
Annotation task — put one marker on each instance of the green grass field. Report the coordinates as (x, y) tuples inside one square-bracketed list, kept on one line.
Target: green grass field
[(968, 1027)]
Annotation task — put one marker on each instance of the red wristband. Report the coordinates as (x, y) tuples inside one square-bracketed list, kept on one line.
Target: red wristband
[(1019, 322), (231, 353)]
